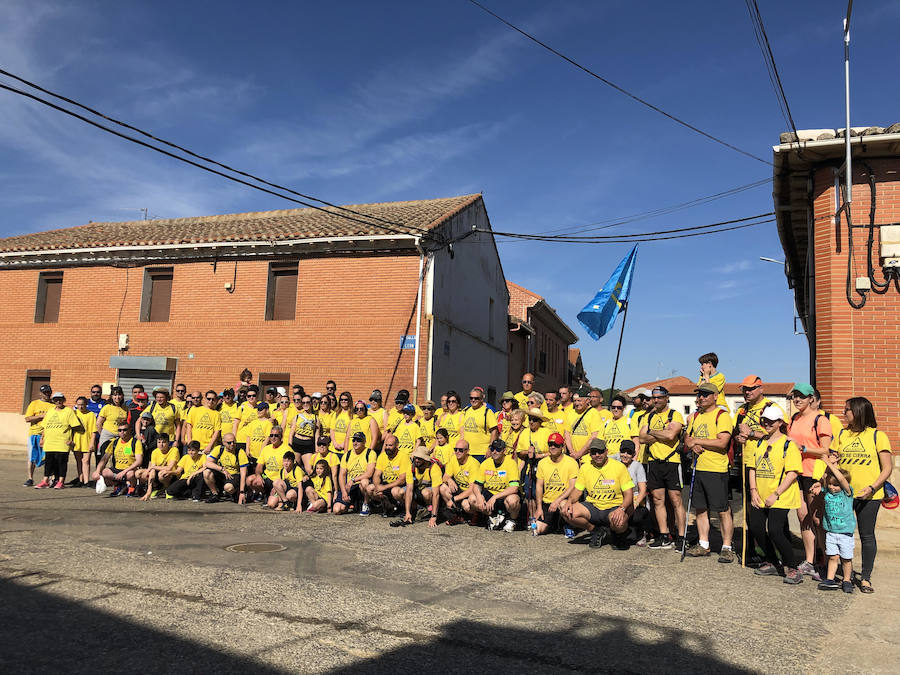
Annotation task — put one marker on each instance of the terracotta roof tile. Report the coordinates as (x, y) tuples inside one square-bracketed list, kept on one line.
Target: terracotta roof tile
[(304, 223)]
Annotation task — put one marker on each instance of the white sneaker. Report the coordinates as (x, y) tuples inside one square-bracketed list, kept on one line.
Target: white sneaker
[(364, 509), (509, 526), (494, 522)]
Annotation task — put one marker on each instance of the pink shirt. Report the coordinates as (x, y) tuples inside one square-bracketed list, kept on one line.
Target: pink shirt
[(802, 433)]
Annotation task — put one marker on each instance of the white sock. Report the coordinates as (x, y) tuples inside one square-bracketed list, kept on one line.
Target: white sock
[(726, 548), (704, 544)]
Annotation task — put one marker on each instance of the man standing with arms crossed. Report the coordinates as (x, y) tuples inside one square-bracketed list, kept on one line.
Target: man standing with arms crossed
[(34, 414), (661, 430)]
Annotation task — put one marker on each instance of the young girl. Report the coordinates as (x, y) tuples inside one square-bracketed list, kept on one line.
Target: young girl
[(839, 523), (324, 453), (320, 492), (774, 492), (443, 451), (84, 442)]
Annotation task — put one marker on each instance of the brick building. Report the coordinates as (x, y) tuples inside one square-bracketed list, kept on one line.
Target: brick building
[(853, 347), (297, 296), (538, 341), (683, 399), (577, 375)]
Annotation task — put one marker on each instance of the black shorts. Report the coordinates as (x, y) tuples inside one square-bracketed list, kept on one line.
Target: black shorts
[(549, 518), (806, 482), (251, 465), (354, 495), (303, 446), (241, 446), (267, 485), (599, 517), (711, 491), (664, 475)]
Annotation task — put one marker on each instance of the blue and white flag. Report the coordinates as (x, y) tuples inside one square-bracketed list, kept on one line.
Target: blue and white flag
[(599, 315)]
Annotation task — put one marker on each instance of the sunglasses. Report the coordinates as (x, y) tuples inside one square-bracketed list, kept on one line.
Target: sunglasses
[(497, 449), (306, 401), (359, 410), (459, 449), (555, 445), (527, 381), (210, 398), (475, 398), (274, 435), (427, 407), (598, 452), (617, 407), (123, 429)]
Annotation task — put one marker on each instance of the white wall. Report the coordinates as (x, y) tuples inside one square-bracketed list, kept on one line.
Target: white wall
[(461, 288)]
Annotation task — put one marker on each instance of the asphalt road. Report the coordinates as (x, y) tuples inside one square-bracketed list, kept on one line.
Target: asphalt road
[(90, 583)]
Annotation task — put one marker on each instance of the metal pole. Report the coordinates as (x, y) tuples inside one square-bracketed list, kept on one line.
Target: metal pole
[(418, 322), (612, 387), (848, 176)]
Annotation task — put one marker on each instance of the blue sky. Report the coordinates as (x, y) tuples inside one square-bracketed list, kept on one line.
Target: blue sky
[(359, 102)]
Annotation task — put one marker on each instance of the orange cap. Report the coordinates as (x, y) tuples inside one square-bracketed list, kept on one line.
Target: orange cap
[(751, 381)]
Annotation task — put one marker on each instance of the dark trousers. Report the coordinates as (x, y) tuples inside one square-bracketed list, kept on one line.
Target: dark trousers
[(181, 488), (767, 526), (866, 514), (56, 464)]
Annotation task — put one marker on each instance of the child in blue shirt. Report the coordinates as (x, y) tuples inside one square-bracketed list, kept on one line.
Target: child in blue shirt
[(839, 524)]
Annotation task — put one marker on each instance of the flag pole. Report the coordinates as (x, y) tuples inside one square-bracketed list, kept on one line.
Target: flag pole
[(612, 387)]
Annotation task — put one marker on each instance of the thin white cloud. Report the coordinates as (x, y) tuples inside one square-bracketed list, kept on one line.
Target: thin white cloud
[(736, 266)]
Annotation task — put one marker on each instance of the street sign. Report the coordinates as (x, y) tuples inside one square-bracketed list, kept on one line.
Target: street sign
[(408, 342)]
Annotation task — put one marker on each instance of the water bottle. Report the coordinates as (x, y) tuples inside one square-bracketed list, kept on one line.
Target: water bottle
[(532, 525)]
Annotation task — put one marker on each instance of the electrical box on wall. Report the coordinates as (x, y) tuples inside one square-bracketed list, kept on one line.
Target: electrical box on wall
[(890, 245), (123, 340)]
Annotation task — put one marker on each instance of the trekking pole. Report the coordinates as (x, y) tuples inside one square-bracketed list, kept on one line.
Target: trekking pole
[(687, 513), (743, 514)]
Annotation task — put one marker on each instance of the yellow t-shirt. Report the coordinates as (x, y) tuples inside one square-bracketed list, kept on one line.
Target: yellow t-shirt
[(364, 425), (463, 475), (557, 422), (228, 413), (179, 406), (191, 465), (392, 469), (256, 435), (443, 454), (333, 458), (605, 414), (83, 438), (123, 453), (707, 426), (340, 422), (497, 478), (636, 419), (158, 458), (477, 425), (453, 423), (246, 415), (271, 457), (230, 461), (719, 381), (556, 476), (616, 431), (662, 450), (603, 487), (771, 463), (326, 421), (58, 424), (379, 417), (859, 455), (322, 486), (428, 428), (36, 407), (395, 417), (430, 476), (580, 426), (305, 423), (292, 478), (522, 398), (356, 464), (113, 416), (204, 423), (408, 435), (539, 439), (750, 416), (516, 441)]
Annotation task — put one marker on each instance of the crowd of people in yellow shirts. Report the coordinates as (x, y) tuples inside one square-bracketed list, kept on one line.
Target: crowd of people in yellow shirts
[(552, 462)]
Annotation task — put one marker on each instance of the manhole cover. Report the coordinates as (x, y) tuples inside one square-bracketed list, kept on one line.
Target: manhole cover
[(258, 547)]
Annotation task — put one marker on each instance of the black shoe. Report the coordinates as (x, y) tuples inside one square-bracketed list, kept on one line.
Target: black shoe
[(581, 539), (90, 484), (212, 499), (598, 538), (28, 483), (74, 483)]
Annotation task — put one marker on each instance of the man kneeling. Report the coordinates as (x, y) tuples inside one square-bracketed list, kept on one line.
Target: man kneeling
[(608, 491), (497, 488)]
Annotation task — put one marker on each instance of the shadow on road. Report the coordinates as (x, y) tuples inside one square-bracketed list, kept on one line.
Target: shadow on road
[(44, 633)]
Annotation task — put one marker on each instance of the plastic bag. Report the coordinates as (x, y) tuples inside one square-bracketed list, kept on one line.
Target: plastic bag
[(101, 486)]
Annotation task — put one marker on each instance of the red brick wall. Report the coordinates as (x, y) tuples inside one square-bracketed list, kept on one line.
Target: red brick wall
[(856, 349), (351, 312)]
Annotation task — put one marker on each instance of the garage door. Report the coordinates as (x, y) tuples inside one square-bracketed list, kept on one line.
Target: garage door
[(148, 378)]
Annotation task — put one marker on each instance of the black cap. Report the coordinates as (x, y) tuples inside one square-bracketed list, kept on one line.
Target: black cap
[(376, 395), (359, 437), (402, 395), (272, 390), (626, 446), (498, 444), (323, 441), (45, 389)]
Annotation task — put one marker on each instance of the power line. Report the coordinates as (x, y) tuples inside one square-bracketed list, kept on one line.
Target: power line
[(762, 39), (637, 236), (621, 90), (564, 240), (653, 213), (386, 223)]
